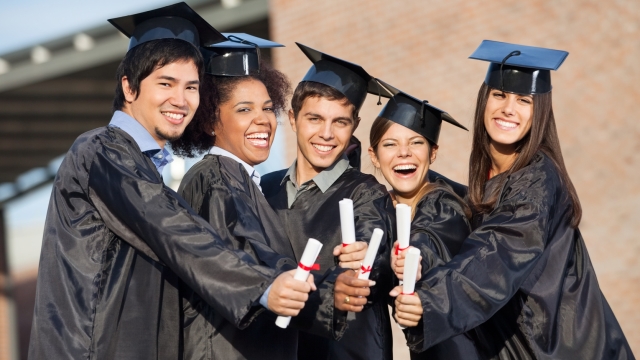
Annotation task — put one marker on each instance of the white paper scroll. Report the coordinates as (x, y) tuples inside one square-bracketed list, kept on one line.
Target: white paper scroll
[(403, 224), (370, 256), (403, 221), (309, 256), (347, 222), (411, 262)]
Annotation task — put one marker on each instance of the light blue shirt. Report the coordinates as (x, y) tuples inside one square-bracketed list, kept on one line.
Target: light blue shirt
[(147, 144)]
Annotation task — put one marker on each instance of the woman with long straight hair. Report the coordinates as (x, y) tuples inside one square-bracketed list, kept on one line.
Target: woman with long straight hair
[(522, 280), (403, 141)]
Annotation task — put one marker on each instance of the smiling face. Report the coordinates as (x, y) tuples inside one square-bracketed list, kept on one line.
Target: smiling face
[(402, 155), (166, 102), (323, 129), (507, 118), (247, 123)]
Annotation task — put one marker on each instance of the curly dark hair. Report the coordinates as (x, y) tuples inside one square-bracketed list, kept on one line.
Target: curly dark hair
[(215, 90)]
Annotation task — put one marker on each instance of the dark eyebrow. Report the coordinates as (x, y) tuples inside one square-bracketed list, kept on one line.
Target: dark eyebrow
[(314, 115), (169, 78), (244, 103), (334, 119), (268, 101), (193, 82)]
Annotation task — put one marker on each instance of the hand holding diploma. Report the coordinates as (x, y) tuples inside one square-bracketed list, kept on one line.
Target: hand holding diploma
[(403, 224), (351, 253), (408, 305), (288, 295), (398, 263), (300, 276), (350, 293)]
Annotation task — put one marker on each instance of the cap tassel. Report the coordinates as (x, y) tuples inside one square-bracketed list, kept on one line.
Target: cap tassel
[(424, 120), (379, 93), (513, 53)]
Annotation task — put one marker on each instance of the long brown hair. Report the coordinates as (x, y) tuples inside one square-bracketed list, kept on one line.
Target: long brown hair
[(542, 136), (378, 129)]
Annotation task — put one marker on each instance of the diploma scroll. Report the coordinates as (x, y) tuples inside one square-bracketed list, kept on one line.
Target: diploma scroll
[(309, 256), (403, 223), (370, 256), (347, 222), (411, 262)]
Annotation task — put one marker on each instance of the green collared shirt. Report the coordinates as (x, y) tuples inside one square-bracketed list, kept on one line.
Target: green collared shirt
[(323, 180)]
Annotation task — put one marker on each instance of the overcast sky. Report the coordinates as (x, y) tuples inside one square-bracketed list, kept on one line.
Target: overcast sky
[(24, 23)]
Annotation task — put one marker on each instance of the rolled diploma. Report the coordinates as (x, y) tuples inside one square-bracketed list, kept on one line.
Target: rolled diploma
[(309, 256), (347, 222), (370, 256), (403, 223), (411, 262)]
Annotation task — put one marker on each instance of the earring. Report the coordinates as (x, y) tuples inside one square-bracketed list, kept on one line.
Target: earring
[(213, 133)]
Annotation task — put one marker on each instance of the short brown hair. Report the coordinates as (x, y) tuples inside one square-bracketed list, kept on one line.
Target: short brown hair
[(307, 89)]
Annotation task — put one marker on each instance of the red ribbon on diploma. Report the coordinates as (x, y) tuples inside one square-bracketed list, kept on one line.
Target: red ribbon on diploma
[(309, 268), (365, 270), (409, 294), (398, 250), (343, 244)]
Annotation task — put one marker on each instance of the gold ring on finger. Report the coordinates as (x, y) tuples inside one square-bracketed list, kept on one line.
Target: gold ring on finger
[(346, 299)]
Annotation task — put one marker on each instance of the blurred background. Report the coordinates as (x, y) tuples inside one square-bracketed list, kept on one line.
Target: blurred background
[(58, 61)]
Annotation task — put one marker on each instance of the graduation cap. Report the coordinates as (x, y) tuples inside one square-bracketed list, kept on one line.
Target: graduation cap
[(415, 114), (517, 68), (348, 78), (238, 56), (177, 21)]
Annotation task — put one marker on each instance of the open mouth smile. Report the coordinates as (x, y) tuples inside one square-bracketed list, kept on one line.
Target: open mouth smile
[(323, 148), (174, 118), (405, 169), (506, 125), (258, 139)]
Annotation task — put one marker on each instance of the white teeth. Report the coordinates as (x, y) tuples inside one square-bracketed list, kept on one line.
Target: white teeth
[(323, 147), (405, 167), (258, 136), (507, 124), (173, 115)]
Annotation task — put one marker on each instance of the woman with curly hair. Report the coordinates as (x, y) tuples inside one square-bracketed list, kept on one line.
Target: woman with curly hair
[(235, 124), (522, 281)]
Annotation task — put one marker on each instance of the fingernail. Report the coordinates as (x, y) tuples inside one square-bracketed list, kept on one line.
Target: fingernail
[(372, 283)]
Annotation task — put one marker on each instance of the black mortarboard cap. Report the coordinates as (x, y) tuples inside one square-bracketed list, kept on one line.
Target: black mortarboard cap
[(415, 114), (517, 68), (348, 78), (177, 21), (238, 56)]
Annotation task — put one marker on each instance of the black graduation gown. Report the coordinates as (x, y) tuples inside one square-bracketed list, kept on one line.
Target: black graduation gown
[(438, 229), (116, 240), (525, 275), (220, 190), (316, 215), (459, 189)]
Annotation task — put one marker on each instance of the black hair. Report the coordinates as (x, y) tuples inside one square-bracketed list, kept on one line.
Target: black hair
[(147, 57), (216, 90)]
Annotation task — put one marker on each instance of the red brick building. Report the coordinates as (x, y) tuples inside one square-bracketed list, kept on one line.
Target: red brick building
[(422, 46)]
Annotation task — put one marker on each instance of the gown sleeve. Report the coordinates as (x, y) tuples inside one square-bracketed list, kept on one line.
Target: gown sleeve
[(371, 213), (140, 209), (492, 264)]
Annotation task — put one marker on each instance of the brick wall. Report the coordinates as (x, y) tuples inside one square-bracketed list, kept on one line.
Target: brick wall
[(422, 46)]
